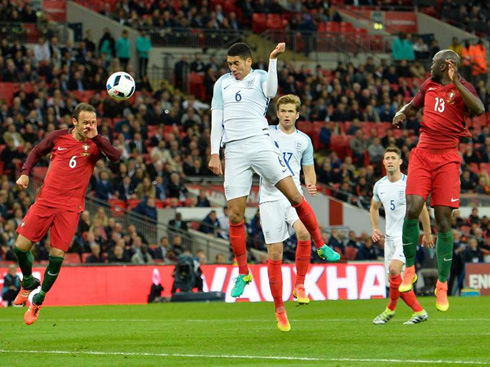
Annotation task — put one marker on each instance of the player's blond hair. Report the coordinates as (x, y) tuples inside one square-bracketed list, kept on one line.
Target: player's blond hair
[(289, 99)]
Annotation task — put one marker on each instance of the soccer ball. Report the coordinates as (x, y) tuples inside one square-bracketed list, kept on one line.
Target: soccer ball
[(120, 85)]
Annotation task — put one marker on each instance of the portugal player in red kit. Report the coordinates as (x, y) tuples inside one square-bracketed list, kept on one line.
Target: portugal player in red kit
[(74, 153), (434, 166)]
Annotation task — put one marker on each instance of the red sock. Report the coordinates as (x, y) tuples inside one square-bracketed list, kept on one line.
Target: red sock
[(395, 282), (303, 253), (411, 301), (307, 216), (275, 281), (238, 240)]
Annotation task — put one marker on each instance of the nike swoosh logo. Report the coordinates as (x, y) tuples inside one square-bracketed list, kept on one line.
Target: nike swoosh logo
[(448, 259), (284, 170), (227, 86), (60, 148), (454, 200), (407, 244), (53, 275), (430, 89)]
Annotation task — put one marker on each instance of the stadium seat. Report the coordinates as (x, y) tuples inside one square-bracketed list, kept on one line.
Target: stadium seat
[(72, 258), (259, 22), (350, 253), (133, 203), (117, 207)]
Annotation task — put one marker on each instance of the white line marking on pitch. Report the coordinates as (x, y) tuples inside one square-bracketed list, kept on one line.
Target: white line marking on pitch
[(234, 320), (279, 358)]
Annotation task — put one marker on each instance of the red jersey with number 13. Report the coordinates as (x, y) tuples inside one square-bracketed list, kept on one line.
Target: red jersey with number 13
[(72, 164), (444, 114)]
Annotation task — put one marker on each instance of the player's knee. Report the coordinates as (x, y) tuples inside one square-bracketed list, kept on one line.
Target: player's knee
[(275, 255), (235, 217), (394, 271), (443, 226), (296, 198), (303, 235)]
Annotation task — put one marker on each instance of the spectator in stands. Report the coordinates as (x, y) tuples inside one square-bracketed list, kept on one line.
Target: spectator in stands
[(478, 54), (210, 224), (457, 47), (421, 49), (11, 285), (181, 69), (417, 70), (202, 200), (358, 145), (367, 251), (95, 257), (147, 208), (41, 50), (123, 49), (141, 256), (219, 259), (353, 242), (12, 136), (177, 224), (143, 49), (160, 252), (472, 253), (483, 186), (335, 241), (376, 151), (177, 248), (104, 188), (224, 224), (145, 189), (402, 48), (117, 255)]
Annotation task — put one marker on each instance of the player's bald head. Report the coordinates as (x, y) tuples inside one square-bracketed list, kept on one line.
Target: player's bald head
[(446, 55)]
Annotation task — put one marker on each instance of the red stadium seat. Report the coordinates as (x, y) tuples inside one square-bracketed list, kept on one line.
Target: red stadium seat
[(72, 258), (117, 207), (274, 21), (133, 203), (350, 253), (259, 22)]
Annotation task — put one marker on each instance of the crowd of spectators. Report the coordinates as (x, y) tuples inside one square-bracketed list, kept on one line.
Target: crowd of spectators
[(163, 134)]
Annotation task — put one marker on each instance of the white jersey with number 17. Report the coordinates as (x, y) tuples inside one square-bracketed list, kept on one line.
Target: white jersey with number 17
[(296, 151), (243, 103), (392, 196)]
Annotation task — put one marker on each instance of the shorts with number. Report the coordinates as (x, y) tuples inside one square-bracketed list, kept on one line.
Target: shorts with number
[(435, 173), (244, 157), (39, 219), (277, 219), (393, 251)]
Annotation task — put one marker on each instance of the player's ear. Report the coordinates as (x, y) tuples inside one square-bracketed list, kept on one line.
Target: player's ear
[(74, 121)]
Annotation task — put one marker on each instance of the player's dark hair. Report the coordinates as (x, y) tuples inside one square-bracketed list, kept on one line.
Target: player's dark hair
[(394, 150), (82, 107), (240, 49)]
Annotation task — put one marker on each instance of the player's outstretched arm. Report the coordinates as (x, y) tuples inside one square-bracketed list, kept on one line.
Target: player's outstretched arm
[(408, 110), (374, 216), (473, 103), (216, 129), (427, 239), (270, 85)]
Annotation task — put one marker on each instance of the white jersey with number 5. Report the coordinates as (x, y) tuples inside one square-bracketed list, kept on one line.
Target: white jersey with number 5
[(296, 151), (243, 103), (392, 196)]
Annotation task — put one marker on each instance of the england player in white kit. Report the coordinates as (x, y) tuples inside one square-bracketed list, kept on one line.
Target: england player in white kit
[(238, 122), (390, 192), (278, 217)]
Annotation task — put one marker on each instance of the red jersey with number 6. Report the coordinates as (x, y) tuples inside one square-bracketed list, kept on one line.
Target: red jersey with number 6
[(72, 164), (444, 114)]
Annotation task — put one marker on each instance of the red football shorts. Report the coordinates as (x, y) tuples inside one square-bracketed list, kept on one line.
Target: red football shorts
[(437, 173), (39, 219)]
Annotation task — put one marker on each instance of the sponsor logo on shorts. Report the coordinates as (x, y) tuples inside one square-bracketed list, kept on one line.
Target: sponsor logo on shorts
[(454, 200)]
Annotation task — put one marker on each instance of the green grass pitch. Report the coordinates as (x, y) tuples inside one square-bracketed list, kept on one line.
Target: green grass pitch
[(332, 333)]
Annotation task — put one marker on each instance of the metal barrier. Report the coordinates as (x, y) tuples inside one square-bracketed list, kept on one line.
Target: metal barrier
[(30, 32)]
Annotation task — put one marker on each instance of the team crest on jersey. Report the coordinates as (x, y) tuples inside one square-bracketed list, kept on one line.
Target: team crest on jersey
[(250, 84), (86, 148), (451, 96), (402, 194), (299, 146)]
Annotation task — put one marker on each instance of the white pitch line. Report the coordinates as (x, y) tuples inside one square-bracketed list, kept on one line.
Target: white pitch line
[(278, 358), (214, 321)]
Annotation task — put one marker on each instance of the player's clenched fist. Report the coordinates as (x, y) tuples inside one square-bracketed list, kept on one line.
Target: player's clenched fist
[(280, 48), (23, 182), (399, 119), (215, 164)]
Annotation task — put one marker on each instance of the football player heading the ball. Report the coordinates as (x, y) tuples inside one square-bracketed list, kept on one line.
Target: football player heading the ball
[(74, 153)]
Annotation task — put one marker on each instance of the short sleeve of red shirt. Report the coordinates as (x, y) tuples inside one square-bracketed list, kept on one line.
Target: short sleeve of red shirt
[(418, 100)]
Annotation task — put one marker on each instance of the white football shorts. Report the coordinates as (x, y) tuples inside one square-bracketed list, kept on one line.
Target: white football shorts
[(393, 251), (277, 219), (244, 157)]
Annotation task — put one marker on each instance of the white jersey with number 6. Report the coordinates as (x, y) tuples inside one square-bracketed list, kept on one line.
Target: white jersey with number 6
[(392, 196), (243, 103), (296, 151)]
